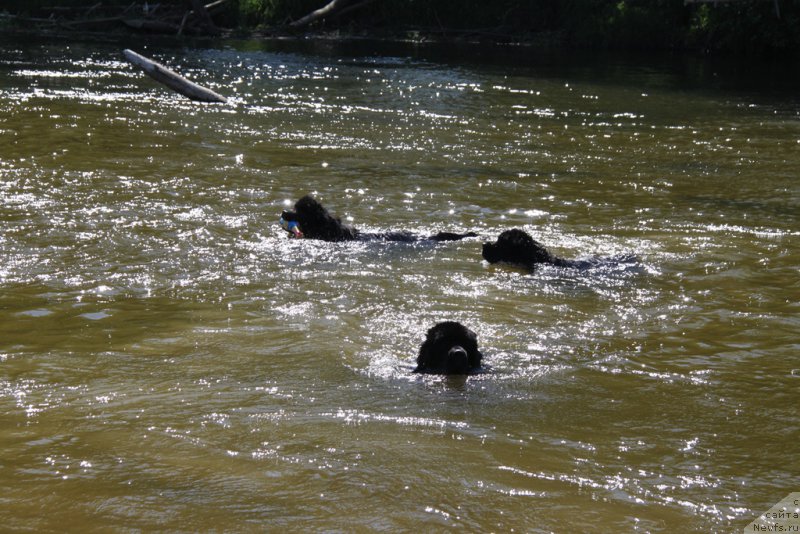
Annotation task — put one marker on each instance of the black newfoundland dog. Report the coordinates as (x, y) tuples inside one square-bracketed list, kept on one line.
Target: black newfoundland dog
[(450, 348), (311, 220), (518, 248)]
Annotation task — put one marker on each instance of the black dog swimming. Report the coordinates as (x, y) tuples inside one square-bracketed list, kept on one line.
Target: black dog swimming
[(450, 348), (311, 220), (518, 248)]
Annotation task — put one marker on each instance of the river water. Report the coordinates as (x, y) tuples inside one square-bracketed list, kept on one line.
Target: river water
[(170, 360)]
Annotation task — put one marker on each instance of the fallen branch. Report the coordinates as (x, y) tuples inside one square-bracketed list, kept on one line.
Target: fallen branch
[(28, 19), (173, 80), (214, 5), (353, 7), (104, 22), (142, 16), (183, 22), (331, 8), (206, 20), (150, 25)]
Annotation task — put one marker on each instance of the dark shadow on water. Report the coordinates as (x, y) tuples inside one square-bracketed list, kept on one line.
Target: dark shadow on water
[(768, 77)]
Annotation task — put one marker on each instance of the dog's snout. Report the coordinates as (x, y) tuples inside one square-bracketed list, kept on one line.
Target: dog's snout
[(457, 360), (457, 351)]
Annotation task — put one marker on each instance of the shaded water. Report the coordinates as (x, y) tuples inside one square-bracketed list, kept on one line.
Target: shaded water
[(170, 360)]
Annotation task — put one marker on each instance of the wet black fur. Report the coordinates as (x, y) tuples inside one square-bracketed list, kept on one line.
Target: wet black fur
[(317, 223), (450, 348), (518, 248)]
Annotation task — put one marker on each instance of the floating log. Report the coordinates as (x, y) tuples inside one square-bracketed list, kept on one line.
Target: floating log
[(173, 80)]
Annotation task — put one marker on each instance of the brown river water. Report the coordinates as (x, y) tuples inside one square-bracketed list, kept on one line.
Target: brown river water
[(171, 361)]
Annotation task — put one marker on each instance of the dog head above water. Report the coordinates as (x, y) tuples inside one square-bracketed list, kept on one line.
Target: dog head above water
[(450, 348), (517, 247), (310, 219)]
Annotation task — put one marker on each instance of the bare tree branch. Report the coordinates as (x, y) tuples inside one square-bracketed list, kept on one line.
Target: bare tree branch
[(331, 8), (200, 10)]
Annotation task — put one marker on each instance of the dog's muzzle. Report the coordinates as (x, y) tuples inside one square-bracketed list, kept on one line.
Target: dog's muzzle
[(457, 361)]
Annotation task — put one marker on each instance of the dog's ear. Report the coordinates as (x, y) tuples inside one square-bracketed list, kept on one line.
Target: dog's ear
[(475, 359), (426, 351), (424, 356)]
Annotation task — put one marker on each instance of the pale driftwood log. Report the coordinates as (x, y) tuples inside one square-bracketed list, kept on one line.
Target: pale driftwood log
[(173, 80)]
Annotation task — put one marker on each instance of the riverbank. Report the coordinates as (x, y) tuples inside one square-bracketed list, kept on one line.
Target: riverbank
[(755, 29)]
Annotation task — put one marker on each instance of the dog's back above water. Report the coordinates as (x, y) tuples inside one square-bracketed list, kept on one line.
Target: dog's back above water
[(517, 247), (311, 220)]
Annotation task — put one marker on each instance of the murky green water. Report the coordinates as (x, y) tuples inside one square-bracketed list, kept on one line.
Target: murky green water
[(169, 360)]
